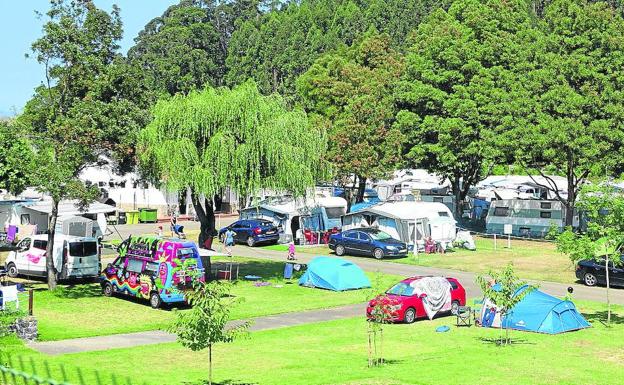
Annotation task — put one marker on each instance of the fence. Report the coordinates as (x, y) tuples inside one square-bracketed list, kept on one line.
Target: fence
[(18, 370)]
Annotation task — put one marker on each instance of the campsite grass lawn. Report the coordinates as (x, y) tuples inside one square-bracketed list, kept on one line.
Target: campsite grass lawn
[(81, 310), (319, 250), (532, 260), (335, 352)]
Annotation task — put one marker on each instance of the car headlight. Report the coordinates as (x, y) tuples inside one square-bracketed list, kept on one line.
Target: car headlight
[(392, 248)]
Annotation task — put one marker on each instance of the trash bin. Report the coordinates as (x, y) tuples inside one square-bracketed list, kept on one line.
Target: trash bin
[(132, 217), (148, 215), (121, 218)]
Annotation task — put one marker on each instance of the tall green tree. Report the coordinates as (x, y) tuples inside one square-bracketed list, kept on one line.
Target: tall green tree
[(459, 90), (234, 138), (350, 92), (81, 112), (16, 158), (575, 125), (603, 240)]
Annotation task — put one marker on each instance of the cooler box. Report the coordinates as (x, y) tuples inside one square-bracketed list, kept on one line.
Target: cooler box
[(148, 215)]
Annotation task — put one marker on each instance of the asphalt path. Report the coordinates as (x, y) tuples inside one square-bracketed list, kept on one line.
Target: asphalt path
[(467, 279)]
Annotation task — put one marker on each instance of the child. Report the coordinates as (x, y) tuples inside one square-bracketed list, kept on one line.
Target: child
[(229, 241), (159, 231), (291, 251)]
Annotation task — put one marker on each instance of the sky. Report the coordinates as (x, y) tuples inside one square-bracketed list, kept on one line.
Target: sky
[(19, 27)]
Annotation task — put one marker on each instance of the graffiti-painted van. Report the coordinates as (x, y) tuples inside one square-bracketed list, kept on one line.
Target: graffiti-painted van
[(153, 268)]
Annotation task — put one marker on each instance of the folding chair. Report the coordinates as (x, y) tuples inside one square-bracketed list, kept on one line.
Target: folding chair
[(464, 316)]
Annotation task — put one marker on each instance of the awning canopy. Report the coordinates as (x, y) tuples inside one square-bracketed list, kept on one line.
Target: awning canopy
[(70, 208)]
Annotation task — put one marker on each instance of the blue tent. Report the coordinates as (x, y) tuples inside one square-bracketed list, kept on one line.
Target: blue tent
[(543, 313), (335, 274)]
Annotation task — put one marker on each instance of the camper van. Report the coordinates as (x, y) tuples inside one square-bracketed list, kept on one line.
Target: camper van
[(74, 257), (154, 268)]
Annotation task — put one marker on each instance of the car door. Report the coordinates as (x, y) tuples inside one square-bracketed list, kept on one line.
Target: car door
[(239, 229), (37, 257), (617, 274), (365, 243), (349, 241), (21, 260), (599, 269)]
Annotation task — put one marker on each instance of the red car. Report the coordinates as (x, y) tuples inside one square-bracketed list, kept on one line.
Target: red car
[(400, 303)]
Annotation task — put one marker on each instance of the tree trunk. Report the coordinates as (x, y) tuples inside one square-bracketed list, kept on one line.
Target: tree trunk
[(209, 364), (608, 284), (361, 189), (570, 201), (206, 218), (50, 268), (457, 193)]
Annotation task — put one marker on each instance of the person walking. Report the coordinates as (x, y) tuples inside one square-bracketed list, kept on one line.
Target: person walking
[(291, 251)]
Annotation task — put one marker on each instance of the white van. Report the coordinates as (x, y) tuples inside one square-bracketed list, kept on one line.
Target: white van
[(74, 257)]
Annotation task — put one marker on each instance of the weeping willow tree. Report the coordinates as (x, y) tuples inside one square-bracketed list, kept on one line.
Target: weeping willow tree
[(236, 138)]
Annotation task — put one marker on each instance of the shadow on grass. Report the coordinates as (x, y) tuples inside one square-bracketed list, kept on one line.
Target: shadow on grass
[(601, 316), (267, 270), (511, 341)]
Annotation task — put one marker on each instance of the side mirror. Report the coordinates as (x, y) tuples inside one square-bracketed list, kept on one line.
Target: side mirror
[(422, 295)]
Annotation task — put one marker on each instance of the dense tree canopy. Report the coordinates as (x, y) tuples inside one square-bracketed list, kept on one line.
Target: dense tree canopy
[(350, 92), (576, 122), (458, 91)]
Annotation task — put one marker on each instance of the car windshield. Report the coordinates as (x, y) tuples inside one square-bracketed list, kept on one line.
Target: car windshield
[(401, 289), (380, 236)]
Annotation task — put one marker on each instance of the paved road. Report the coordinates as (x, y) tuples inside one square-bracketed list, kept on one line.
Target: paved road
[(123, 231), (466, 278), (116, 341)]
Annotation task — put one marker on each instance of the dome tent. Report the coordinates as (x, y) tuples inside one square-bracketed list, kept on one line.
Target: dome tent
[(539, 312), (335, 274)]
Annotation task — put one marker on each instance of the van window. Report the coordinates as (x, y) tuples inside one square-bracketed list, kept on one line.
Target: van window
[(501, 211), (151, 268), (40, 244), (186, 252), (135, 265), (82, 249)]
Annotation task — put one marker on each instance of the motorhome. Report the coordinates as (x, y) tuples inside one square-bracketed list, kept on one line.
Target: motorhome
[(74, 257), (409, 221), (155, 268), (531, 218)]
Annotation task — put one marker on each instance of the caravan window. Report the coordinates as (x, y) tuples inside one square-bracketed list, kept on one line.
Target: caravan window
[(25, 219), (334, 212), (442, 214), (545, 214), (501, 211), (546, 206), (438, 199)]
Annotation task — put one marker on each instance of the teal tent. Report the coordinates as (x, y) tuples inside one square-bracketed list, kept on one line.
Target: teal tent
[(543, 313), (335, 274)]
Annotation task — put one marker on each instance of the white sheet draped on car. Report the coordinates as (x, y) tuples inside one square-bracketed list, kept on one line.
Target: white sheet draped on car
[(438, 294)]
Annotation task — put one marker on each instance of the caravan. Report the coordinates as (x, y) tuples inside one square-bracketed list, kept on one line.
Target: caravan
[(74, 257), (410, 222), (529, 218)]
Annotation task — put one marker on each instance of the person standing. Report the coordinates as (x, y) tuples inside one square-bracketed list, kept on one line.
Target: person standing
[(229, 241)]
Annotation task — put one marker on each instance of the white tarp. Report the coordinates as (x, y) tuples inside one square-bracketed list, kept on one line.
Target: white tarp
[(466, 241), (438, 294)]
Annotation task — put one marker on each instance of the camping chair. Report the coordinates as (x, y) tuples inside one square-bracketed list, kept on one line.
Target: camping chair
[(476, 311), (8, 294), (464, 316)]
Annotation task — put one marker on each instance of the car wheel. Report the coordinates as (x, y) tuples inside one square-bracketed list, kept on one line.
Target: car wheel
[(455, 307), (378, 253), (340, 250), (107, 289), (590, 279), (155, 300), (409, 316), (250, 242), (12, 270)]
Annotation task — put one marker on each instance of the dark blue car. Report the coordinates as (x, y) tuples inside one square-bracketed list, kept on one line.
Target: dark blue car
[(370, 242), (252, 231)]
